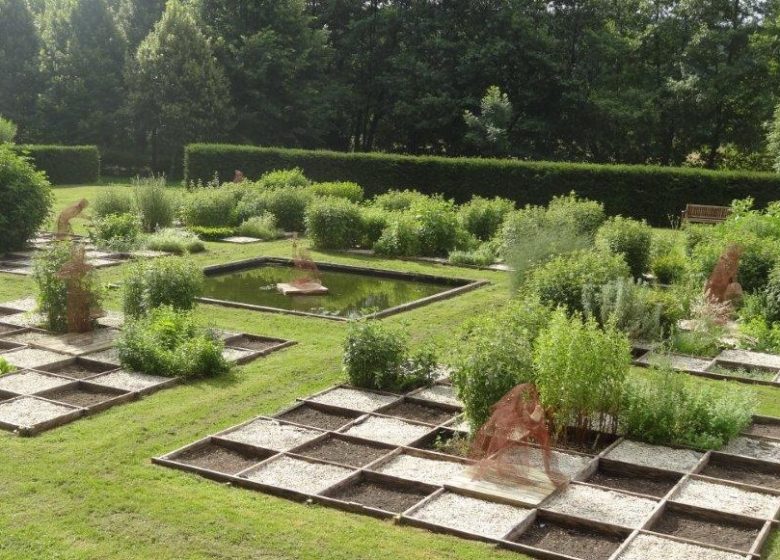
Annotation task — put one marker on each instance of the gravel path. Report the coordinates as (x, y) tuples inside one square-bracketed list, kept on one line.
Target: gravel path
[(470, 514), (727, 498), (675, 361), (31, 358), (756, 448), (648, 547), (29, 411), (657, 456), (29, 382), (422, 469), (354, 399), (129, 380), (602, 505), (388, 430), (444, 394), (296, 474), (272, 435)]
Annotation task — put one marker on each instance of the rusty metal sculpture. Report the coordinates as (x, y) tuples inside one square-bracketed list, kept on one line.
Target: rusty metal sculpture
[(82, 305), (722, 286), (64, 227), (238, 176), (307, 281)]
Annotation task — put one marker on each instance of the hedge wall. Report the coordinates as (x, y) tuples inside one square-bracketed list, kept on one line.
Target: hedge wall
[(64, 165), (650, 192)]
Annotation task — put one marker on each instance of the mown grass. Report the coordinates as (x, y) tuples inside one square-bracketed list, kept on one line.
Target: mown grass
[(89, 490)]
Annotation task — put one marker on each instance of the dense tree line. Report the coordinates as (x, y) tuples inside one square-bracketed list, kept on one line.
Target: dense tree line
[(637, 81)]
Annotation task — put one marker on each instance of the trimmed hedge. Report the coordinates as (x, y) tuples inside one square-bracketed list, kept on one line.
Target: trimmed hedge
[(64, 165), (651, 192)]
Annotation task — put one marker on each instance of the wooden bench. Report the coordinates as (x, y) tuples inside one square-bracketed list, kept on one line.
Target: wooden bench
[(705, 214)]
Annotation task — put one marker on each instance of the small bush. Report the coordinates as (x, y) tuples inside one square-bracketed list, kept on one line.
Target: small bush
[(7, 131), (262, 227), (630, 238), (484, 255), (669, 268), (770, 297), (343, 189), (212, 233), (282, 178), (174, 241), (115, 200), (5, 367), (585, 216), (562, 280), (52, 297), (439, 230), (394, 200), (495, 354), (625, 305), (25, 200), (373, 222), (483, 217), (154, 203), (333, 223), (117, 232), (288, 205), (170, 343), (210, 208), (667, 409), (167, 281), (400, 238)]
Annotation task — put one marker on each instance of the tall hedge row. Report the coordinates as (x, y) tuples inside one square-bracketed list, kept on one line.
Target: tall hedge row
[(649, 192), (64, 165)]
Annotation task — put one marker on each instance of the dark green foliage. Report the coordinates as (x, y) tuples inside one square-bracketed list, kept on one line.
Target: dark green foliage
[(668, 268), (340, 189), (19, 64), (168, 281), (154, 203), (642, 192), (484, 255), (117, 232), (111, 201), (170, 343), (25, 200), (483, 218), (52, 291), (628, 306), (212, 233), (210, 208), (261, 227), (280, 178), (64, 165), (333, 223), (629, 238), (374, 220), (400, 236), (288, 205), (393, 199), (770, 297), (668, 409)]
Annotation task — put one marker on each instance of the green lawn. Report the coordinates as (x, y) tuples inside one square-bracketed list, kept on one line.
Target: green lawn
[(89, 490)]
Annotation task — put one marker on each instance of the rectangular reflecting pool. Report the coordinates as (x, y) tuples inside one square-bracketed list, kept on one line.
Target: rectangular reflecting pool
[(352, 291)]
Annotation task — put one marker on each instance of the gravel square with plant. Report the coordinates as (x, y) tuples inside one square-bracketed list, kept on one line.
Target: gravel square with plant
[(656, 456), (28, 412), (730, 499), (302, 476)]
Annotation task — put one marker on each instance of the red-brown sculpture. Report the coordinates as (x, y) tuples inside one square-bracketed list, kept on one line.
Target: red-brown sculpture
[(722, 286), (238, 176), (64, 228), (80, 298)]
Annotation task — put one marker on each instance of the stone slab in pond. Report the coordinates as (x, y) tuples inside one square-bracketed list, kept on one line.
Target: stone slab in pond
[(30, 382), (764, 450), (656, 456), (33, 358), (269, 434), (676, 361), (605, 506), (241, 239), (388, 430), (354, 399), (649, 547), (729, 499), (755, 359), (462, 513), (132, 381), (29, 412), (296, 474)]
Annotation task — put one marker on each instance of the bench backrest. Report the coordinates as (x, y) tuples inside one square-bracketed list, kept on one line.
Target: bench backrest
[(705, 213)]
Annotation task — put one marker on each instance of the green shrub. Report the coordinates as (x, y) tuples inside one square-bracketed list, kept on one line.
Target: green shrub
[(262, 227), (376, 356), (283, 178), (495, 354), (483, 217), (52, 297), (667, 409), (629, 238), (484, 255), (583, 215), (114, 200), (400, 238), (64, 165), (626, 306), (341, 189), (770, 297), (373, 222), (333, 223), (5, 367), (117, 232), (167, 281), (212, 233), (170, 343), (210, 208), (154, 203), (395, 200), (669, 268), (176, 241), (438, 229), (288, 205), (25, 200), (562, 280), (580, 370), (7, 131)]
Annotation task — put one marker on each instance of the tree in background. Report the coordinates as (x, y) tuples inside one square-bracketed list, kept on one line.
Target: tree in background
[(82, 60), (19, 74), (177, 91), (136, 18), (489, 131), (7, 131)]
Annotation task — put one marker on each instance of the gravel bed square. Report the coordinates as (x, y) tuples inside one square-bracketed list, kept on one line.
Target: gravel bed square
[(108, 356), (307, 415), (656, 456), (30, 382), (297, 474), (103, 263), (4, 329), (255, 343), (23, 304), (27, 412), (269, 434), (727, 498), (410, 410), (695, 528), (344, 451), (112, 319), (219, 458), (388, 430), (566, 463), (33, 358), (422, 469), (649, 547), (130, 380), (25, 319), (79, 369), (489, 519), (748, 358), (444, 394), (354, 399), (579, 542), (394, 498), (676, 361), (755, 448), (606, 506), (236, 354)]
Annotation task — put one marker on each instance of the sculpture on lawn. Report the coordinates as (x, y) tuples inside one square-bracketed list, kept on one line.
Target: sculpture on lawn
[(64, 227)]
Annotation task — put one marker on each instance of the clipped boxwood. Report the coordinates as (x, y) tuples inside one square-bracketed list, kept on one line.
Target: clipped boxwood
[(333, 223), (650, 192), (64, 165), (25, 200)]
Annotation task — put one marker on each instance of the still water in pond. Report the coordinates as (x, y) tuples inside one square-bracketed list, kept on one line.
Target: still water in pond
[(349, 293)]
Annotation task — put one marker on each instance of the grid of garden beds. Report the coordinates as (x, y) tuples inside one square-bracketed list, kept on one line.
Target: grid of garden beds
[(390, 456), (63, 377), (755, 368)]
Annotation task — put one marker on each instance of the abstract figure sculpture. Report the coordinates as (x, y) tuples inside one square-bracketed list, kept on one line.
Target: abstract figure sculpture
[(722, 286), (307, 282), (80, 300), (64, 227)]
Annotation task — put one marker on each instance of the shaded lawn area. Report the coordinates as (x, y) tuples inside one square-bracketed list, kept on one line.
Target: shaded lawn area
[(89, 490)]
